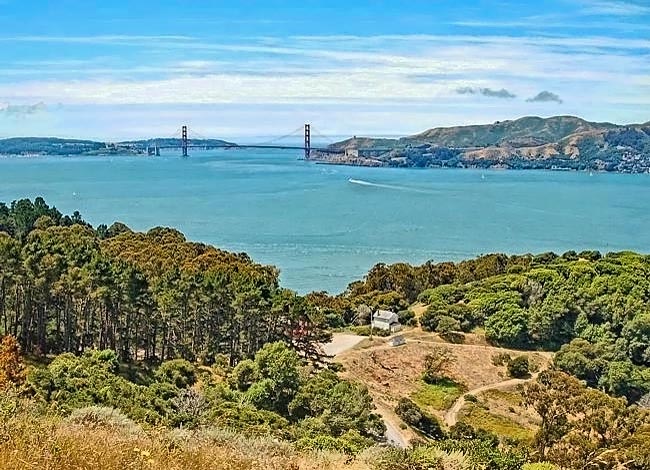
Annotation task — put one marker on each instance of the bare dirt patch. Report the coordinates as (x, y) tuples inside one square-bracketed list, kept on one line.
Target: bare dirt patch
[(394, 372)]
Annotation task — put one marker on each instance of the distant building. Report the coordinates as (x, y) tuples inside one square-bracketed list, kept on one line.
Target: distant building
[(353, 153), (385, 320)]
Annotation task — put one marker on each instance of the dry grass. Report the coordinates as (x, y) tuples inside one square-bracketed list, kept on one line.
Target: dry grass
[(49, 443), (391, 373), (418, 309), (397, 371)]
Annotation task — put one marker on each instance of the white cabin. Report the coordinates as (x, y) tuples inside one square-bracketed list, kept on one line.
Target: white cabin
[(385, 320)]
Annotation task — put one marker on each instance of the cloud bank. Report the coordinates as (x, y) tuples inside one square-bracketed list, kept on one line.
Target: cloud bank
[(22, 110)]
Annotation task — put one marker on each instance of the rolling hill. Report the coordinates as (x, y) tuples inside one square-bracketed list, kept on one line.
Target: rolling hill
[(560, 142)]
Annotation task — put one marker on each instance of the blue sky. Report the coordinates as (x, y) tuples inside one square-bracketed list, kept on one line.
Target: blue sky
[(123, 69)]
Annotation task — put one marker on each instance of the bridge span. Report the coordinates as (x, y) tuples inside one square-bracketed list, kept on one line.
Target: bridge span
[(185, 144)]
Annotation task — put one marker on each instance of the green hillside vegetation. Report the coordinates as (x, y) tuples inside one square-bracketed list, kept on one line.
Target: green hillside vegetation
[(149, 351), (593, 309), (66, 287), (560, 142), (47, 145), (71, 147)]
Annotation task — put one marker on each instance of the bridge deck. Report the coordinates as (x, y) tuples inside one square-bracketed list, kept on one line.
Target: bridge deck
[(251, 146)]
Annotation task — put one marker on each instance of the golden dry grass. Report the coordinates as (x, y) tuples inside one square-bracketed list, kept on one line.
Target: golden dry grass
[(52, 444)]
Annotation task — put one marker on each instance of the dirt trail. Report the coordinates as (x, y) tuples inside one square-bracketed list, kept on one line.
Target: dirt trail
[(341, 343), (394, 434), (451, 416)]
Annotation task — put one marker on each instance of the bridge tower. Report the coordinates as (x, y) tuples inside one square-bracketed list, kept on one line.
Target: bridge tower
[(184, 140), (307, 141)]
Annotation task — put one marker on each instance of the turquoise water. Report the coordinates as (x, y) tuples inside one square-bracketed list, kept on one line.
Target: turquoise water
[(323, 230)]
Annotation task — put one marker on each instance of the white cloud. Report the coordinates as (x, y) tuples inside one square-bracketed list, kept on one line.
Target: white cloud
[(21, 110), (125, 40), (413, 70), (615, 8)]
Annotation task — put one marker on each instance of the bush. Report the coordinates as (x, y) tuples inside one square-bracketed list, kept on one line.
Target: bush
[(189, 407), (178, 372), (447, 324), (501, 359), (418, 458), (539, 466), (471, 398), (519, 367), (365, 331), (244, 375), (407, 317), (508, 327), (437, 363), (350, 443), (412, 415)]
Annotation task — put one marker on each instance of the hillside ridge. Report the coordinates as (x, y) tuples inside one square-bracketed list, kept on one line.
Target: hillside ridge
[(530, 142)]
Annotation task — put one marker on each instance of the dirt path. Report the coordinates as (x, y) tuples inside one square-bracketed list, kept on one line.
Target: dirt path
[(341, 343), (451, 416)]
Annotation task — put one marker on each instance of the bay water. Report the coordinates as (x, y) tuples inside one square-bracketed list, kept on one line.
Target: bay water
[(325, 226)]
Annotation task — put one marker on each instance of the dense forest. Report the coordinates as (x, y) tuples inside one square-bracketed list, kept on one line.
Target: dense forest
[(66, 287)]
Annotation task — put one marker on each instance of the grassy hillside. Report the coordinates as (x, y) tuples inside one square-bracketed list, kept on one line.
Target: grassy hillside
[(526, 131), (561, 142)]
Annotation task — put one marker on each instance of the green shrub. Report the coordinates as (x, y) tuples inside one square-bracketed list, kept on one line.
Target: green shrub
[(350, 443), (178, 372), (411, 414), (407, 317), (539, 466), (365, 331), (243, 375), (519, 367), (484, 452), (418, 458)]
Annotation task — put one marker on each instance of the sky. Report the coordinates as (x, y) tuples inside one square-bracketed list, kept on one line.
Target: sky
[(142, 68)]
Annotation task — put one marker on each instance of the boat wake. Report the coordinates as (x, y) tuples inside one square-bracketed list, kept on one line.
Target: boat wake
[(386, 186)]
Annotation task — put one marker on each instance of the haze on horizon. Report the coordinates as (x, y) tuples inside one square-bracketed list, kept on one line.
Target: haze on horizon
[(242, 68)]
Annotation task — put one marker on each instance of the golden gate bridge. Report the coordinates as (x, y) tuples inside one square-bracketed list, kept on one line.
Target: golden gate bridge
[(184, 142)]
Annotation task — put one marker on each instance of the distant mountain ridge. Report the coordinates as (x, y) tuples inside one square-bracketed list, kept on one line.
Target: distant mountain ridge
[(527, 129), (559, 142)]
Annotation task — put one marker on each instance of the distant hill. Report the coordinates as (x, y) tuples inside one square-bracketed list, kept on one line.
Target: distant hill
[(57, 146), (527, 130), (560, 142), (48, 145), (165, 142)]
